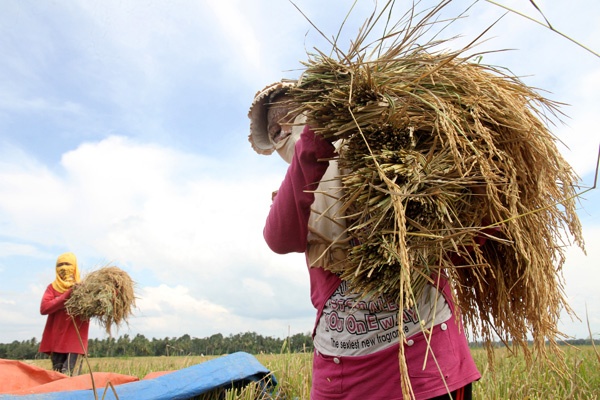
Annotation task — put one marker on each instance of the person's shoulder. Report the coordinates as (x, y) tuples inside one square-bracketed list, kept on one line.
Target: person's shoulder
[(50, 288)]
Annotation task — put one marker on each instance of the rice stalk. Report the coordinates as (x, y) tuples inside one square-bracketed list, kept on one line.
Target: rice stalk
[(439, 153), (106, 294)]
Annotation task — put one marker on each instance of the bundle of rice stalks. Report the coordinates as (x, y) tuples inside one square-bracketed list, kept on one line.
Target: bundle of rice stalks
[(106, 294), (441, 154)]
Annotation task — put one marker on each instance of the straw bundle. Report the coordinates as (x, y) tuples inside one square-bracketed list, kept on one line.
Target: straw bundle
[(440, 153), (106, 294)]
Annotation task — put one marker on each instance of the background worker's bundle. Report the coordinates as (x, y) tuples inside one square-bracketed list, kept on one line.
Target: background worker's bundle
[(106, 294)]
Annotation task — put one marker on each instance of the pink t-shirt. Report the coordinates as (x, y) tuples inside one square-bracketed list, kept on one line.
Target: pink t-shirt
[(353, 325), (339, 371)]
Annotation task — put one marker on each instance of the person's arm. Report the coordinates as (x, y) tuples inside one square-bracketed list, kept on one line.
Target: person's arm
[(51, 304), (286, 229)]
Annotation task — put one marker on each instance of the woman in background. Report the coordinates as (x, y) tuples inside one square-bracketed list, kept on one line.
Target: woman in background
[(64, 337)]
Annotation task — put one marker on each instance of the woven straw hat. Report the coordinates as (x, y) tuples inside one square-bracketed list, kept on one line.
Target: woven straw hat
[(259, 136)]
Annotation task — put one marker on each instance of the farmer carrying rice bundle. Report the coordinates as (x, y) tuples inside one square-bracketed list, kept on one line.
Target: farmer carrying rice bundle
[(106, 294), (356, 334), (64, 337), (424, 189)]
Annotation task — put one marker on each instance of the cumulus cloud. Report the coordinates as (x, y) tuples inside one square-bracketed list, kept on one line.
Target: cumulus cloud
[(164, 217), (581, 274)]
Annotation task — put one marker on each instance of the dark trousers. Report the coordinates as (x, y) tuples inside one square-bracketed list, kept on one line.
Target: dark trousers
[(64, 362), (464, 393)]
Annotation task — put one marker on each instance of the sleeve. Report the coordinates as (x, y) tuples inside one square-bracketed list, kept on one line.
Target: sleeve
[(51, 304), (286, 228)]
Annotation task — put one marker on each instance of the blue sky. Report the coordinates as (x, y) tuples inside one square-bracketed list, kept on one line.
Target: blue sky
[(123, 138)]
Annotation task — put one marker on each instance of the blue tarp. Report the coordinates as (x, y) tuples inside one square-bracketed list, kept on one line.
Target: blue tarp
[(237, 369)]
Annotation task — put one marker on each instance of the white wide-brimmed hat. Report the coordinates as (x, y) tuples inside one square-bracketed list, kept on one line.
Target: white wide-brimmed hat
[(259, 136)]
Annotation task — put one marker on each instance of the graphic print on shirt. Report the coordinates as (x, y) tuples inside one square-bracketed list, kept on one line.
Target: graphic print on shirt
[(351, 325)]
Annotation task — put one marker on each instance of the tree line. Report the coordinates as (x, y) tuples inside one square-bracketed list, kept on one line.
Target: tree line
[(217, 344), (139, 345)]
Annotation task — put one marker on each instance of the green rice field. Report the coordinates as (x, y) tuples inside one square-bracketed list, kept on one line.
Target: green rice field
[(512, 378)]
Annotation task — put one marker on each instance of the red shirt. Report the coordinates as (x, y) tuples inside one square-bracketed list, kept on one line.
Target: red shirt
[(60, 335)]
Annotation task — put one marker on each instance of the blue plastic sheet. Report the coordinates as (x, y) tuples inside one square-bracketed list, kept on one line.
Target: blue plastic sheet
[(234, 370)]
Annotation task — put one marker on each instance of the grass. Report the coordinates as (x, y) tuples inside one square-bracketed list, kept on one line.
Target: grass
[(512, 378)]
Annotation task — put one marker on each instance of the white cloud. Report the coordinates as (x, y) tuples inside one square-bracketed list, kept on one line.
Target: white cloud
[(163, 299), (163, 216), (174, 311), (239, 31), (20, 311), (581, 275)]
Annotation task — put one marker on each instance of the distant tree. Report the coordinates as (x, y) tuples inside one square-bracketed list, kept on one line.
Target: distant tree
[(124, 346), (140, 346)]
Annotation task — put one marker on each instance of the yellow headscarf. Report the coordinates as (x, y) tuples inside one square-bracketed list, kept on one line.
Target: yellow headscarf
[(67, 272)]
